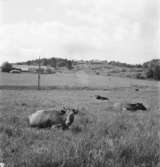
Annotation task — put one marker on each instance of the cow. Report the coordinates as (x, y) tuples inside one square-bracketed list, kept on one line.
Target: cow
[(52, 118), (134, 107), (98, 97)]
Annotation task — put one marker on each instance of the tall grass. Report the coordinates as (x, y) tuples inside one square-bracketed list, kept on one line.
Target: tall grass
[(127, 141)]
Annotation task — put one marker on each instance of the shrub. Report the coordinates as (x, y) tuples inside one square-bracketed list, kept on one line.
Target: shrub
[(153, 69), (140, 76), (6, 67), (153, 72)]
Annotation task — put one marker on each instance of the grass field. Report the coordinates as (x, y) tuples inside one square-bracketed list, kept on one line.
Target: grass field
[(79, 79), (101, 135)]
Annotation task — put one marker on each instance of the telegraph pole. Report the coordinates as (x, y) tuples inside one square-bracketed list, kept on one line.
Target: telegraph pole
[(39, 74)]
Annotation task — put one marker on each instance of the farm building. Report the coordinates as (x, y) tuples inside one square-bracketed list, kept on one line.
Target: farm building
[(34, 69)]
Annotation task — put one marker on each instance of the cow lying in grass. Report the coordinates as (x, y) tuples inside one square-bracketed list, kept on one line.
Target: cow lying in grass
[(98, 97), (52, 118), (134, 107)]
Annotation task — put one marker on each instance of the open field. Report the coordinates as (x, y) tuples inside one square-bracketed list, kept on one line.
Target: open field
[(101, 135), (70, 80)]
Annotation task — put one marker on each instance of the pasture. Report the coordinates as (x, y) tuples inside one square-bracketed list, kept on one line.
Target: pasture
[(73, 80), (101, 135)]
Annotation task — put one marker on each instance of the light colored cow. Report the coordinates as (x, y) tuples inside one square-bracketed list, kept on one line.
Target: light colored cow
[(48, 118)]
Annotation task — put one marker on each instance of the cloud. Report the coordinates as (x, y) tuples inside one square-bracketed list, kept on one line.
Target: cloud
[(39, 10), (106, 29)]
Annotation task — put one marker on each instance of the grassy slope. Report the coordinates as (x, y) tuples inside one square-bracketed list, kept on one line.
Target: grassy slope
[(100, 136), (106, 69)]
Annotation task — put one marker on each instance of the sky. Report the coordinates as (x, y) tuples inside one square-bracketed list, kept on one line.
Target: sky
[(119, 30)]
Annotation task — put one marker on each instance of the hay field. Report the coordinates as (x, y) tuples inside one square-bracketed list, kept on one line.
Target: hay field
[(101, 136)]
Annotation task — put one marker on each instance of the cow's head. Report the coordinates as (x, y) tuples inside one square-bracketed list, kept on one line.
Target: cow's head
[(70, 114), (65, 109), (69, 118)]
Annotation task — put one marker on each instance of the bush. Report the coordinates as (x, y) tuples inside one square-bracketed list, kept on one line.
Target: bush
[(140, 76), (6, 67), (153, 70)]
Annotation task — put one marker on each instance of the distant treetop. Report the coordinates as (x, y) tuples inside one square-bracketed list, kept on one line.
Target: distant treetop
[(6, 67)]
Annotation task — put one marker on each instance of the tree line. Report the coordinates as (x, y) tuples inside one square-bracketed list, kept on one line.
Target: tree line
[(53, 62), (151, 69)]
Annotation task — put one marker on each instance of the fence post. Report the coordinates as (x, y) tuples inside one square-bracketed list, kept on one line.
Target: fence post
[(39, 75)]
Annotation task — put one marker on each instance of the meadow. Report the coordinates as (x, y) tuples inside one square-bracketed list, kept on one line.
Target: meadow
[(101, 135), (73, 80)]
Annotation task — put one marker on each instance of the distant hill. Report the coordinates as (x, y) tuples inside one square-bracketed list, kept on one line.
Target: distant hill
[(60, 62), (147, 70)]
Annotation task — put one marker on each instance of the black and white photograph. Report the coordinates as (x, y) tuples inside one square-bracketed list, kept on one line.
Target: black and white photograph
[(79, 83)]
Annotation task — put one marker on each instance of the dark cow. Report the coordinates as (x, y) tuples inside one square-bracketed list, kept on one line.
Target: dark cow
[(98, 97), (134, 107)]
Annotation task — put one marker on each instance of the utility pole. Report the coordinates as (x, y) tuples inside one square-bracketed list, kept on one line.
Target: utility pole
[(39, 73)]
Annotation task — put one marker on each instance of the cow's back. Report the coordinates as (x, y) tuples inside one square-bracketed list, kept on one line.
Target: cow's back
[(35, 118), (46, 118)]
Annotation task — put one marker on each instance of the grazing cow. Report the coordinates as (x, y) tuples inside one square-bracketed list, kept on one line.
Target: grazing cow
[(48, 118)]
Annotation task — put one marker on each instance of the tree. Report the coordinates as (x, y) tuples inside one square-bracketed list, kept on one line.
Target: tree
[(53, 62), (45, 62), (28, 62), (152, 69), (156, 72), (6, 67), (69, 65)]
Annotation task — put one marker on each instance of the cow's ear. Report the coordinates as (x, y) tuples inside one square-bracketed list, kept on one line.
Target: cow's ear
[(63, 111), (65, 107)]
